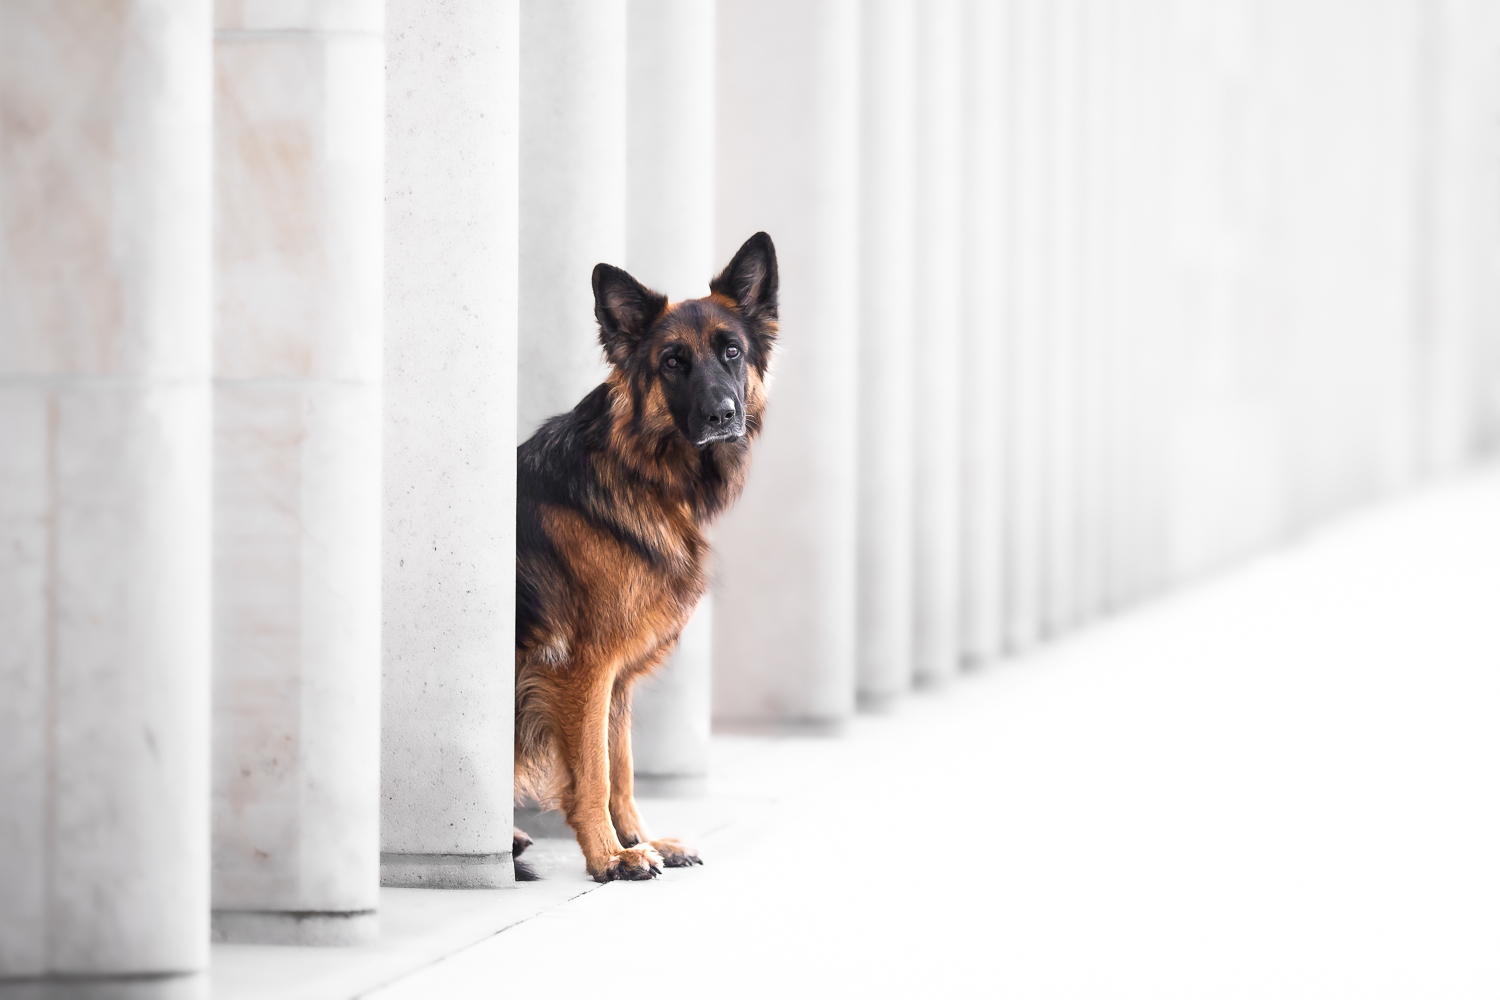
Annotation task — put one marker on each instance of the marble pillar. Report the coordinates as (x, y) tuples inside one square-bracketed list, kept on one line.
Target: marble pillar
[(572, 154), (299, 138), (938, 396), (451, 239), (105, 318), (788, 159), (985, 324), (887, 287), (669, 246)]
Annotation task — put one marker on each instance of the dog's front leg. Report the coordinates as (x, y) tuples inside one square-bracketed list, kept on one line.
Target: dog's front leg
[(629, 826), (627, 818), (583, 728)]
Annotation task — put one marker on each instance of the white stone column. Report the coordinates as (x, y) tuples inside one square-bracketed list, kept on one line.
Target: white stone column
[(1060, 430), (938, 408), (887, 266), (1460, 336), (672, 715), (451, 240), (669, 176), (788, 158), (300, 130), (985, 325), (573, 201), (1099, 320), (105, 179), (1028, 265)]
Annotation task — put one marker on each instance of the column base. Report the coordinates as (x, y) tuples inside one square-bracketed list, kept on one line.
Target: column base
[(670, 786), (172, 986), (313, 928), (447, 871), (543, 824), (879, 702)]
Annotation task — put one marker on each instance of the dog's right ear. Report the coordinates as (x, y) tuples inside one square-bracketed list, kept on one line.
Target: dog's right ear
[(751, 279), (625, 309)]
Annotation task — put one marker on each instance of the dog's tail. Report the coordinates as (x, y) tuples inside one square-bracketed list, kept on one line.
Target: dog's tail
[(525, 873)]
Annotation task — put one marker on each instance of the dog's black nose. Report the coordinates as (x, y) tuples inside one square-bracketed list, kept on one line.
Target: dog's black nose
[(721, 414)]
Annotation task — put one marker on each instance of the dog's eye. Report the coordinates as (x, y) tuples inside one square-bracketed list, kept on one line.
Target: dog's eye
[(672, 363), (731, 352)]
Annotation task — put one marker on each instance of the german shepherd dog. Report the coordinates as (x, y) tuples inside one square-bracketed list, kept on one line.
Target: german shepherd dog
[(612, 501)]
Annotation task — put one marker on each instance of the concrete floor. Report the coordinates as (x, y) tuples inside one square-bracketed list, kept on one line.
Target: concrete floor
[(1281, 782)]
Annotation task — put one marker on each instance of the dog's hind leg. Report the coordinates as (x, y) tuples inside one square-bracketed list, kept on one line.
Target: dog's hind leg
[(583, 737)]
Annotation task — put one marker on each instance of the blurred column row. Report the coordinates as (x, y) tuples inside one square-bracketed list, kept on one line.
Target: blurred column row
[(1099, 297)]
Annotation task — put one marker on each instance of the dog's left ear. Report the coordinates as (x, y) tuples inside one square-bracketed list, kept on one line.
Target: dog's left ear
[(625, 309), (750, 279)]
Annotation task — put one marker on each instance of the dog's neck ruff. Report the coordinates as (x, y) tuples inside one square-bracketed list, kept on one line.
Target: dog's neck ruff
[(706, 479)]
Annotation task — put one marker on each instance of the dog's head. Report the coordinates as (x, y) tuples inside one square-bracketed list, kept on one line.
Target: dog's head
[(695, 367)]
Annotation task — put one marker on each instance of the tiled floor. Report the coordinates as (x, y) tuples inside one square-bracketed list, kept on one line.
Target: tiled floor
[(1281, 782)]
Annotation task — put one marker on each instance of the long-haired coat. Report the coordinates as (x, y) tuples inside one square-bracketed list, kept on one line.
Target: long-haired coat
[(612, 501)]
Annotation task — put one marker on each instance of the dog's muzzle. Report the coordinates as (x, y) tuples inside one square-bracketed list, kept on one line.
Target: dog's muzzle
[(723, 421)]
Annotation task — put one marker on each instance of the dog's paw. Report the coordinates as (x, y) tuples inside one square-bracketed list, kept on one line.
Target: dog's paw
[(633, 864), (676, 854), (518, 841)]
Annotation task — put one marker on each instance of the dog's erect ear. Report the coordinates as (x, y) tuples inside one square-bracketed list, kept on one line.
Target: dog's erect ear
[(750, 279), (625, 309)]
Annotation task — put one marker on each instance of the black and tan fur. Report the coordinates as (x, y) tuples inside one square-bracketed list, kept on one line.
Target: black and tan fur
[(612, 501)]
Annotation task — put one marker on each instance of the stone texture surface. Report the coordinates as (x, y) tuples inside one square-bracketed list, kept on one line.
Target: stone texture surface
[(104, 489), (452, 121), (298, 248)]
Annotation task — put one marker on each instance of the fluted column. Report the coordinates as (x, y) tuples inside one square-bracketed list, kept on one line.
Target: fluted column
[(939, 394), (985, 324), (573, 143), (105, 179), (887, 265), (297, 496), (451, 217), (788, 154), (669, 245)]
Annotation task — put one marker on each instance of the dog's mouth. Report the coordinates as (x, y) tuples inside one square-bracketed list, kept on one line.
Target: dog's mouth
[(726, 434)]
